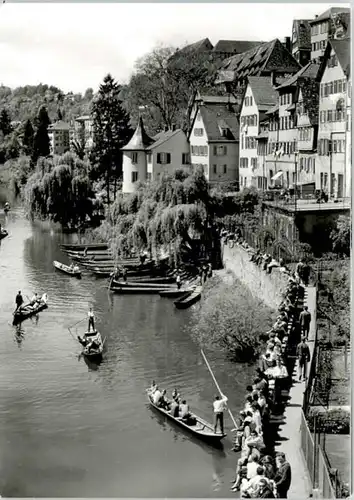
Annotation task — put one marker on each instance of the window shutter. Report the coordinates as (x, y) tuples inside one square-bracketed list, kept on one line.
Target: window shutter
[(159, 158), (168, 158), (215, 151), (225, 150)]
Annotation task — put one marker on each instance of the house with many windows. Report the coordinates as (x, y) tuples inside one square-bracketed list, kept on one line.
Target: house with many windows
[(301, 41), (334, 23), (260, 96), (214, 141), (59, 137), (147, 158), (333, 172)]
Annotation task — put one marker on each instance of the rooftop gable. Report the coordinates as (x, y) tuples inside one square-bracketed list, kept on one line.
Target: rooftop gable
[(59, 125), (140, 140), (220, 123), (342, 51), (309, 71), (162, 137), (328, 13), (235, 46), (263, 92)]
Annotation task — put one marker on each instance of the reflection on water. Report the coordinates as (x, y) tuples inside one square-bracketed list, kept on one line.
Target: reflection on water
[(69, 428)]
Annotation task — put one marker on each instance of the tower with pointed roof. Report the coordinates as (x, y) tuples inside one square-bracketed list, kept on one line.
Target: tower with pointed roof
[(135, 158)]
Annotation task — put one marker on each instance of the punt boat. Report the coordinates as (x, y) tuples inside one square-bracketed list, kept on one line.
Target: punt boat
[(81, 247), (173, 294), (197, 425), (27, 311), (92, 354), (67, 269), (189, 299)]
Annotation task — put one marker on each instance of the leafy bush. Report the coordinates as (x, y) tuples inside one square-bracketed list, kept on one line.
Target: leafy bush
[(335, 421)]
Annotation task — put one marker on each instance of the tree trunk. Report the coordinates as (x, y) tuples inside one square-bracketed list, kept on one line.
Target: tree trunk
[(108, 186)]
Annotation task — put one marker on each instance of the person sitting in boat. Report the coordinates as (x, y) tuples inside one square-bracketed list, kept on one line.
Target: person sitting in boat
[(83, 340), (91, 320), (175, 394), (44, 298), (94, 345), (19, 301), (184, 413), (174, 408), (156, 397), (152, 388), (35, 300), (76, 268), (164, 402)]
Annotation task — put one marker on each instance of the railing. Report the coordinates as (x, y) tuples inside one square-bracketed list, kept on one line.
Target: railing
[(324, 479), (307, 202)]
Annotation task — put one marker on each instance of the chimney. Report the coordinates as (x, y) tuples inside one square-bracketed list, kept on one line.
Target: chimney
[(287, 43)]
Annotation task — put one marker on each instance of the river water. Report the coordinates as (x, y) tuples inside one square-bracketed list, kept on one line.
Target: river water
[(72, 430)]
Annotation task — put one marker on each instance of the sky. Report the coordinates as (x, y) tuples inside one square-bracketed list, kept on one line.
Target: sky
[(74, 45)]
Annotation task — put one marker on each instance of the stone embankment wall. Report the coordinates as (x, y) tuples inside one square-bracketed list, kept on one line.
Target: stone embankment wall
[(266, 287)]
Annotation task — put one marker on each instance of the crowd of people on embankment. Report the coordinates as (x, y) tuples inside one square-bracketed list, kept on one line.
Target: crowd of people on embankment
[(260, 472)]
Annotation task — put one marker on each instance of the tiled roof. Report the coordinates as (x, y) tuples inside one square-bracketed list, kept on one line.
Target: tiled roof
[(162, 137), (204, 44), (140, 140), (263, 92), (342, 50), (215, 118), (309, 71), (328, 13), (270, 56), (60, 125), (273, 110), (303, 32), (235, 46)]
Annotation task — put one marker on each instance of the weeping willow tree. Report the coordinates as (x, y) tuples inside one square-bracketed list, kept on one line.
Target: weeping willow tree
[(163, 217), (60, 190)]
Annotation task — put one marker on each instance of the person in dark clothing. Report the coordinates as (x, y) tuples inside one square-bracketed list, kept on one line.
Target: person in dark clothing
[(283, 475), (305, 320), (124, 274), (306, 271), (303, 356), (264, 489), (19, 300)]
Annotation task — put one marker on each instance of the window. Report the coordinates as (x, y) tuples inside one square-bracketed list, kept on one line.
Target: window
[(221, 150), (185, 159), (340, 86), (134, 176), (214, 169), (225, 169), (134, 158), (198, 132), (149, 158), (164, 158)]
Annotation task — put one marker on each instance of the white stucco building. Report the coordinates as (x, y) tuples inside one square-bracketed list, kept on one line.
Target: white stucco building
[(333, 172), (146, 158), (259, 97)]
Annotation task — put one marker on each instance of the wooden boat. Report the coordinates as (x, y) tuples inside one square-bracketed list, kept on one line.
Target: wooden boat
[(3, 234), (189, 299), (136, 284), (200, 428), (27, 311), (67, 269), (81, 246), (93, 353), (173, 294), (164, 280), (136, 290)]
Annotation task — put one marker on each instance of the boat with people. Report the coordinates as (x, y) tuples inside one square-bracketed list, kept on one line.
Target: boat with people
[(29, 310), (72, 270), (3, 233), (93, 345), (189, 299), (196, 425)]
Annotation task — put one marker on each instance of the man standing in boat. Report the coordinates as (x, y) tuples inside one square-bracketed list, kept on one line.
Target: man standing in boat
[(220, 405), (19, 301), (91, 320)]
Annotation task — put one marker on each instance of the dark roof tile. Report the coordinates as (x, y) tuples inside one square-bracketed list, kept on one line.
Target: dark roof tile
[(215, 118), (309, 71), (235, 46), (140, 140), (263, 92)]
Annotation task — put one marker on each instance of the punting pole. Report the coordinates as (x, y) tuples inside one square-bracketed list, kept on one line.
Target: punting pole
[(217, 385)]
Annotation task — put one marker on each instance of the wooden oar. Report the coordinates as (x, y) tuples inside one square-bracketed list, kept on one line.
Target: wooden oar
[(217, 385)]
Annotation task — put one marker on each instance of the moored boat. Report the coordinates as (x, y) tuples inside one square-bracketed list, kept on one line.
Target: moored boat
[(189, 299), (82, 246), (197, 425), (75, 271), (27, 311), (136, 290), (137, 284), (173, 294)]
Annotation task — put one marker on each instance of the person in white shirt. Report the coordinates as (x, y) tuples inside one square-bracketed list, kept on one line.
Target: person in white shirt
[(34, 300), (157, 396), (220, 405), (252, 466), (91, 320)]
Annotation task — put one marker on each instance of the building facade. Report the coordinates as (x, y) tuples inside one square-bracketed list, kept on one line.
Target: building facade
[(59, 137), (334, 23), (301, 41), (214, 142), (260, 96), (82, 131), (333, 172)]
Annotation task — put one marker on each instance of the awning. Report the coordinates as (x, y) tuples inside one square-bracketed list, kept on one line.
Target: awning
[(277, 176)]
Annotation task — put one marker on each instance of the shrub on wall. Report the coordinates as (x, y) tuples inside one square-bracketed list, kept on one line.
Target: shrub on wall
[(335, 421)]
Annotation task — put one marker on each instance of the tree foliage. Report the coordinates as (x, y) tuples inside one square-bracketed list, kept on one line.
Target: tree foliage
[(59, 189), (28, 138), (111, 126), (41, 138), (340, 236), (164, 83), (5, 122), (224, 321)]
